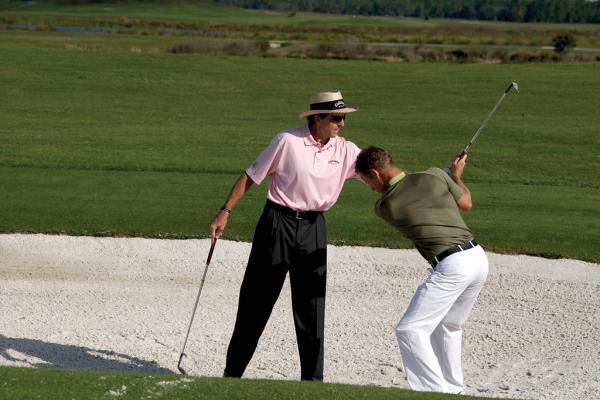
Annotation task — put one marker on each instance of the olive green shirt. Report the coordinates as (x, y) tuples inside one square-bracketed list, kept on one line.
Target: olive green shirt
[(422, 206)]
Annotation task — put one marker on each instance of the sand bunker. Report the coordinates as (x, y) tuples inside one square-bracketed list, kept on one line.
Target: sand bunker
[(124, 304)]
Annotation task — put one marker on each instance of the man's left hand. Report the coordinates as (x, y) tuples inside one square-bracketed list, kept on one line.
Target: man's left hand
[(458, 166)]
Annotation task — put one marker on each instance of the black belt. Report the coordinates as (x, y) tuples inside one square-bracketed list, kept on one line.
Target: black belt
[(459, 247), (294, 213)]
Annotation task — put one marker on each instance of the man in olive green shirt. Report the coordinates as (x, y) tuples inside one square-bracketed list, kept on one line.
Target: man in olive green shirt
[(425, 208)]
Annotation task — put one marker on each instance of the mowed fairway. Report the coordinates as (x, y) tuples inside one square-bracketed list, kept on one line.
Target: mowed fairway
[(122, 143), (68, 384)]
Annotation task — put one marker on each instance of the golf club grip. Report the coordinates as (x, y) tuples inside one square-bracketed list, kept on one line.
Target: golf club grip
[(210, 252)]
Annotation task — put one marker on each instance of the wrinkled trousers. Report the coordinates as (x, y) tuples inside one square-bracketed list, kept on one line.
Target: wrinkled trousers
[(283, 244), (430, 331)]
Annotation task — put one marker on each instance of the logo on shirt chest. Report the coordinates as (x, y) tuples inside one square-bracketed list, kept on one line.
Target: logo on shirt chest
[(333, 162)]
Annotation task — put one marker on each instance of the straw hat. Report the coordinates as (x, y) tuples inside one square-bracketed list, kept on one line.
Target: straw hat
[(326, 103)]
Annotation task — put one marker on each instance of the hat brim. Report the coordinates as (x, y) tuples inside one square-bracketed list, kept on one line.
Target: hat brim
[(345, 110)]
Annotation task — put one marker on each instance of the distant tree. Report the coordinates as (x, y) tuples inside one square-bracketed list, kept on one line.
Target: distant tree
[(503, 10), (564, 43)]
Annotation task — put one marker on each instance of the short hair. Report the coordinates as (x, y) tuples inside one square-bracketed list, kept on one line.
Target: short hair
[(372, 158), (311, 118)]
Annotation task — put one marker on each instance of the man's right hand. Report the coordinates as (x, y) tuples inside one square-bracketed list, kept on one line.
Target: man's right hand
[(217, 226)]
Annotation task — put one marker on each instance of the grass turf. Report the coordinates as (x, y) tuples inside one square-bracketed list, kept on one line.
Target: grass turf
[(59, 384), (121, 143), (211, 20), (100, 139), (206, 10)]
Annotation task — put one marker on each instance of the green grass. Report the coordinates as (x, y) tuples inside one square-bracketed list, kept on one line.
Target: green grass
[(207, 10), (120, 143), (108, 134), (220, 21), (57, 384)]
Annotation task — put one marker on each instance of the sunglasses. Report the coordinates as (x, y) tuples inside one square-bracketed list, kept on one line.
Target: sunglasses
[(337, 118)]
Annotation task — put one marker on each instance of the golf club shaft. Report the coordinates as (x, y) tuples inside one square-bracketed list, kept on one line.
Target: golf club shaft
[(476, 135), (512, 85), (210, 253)]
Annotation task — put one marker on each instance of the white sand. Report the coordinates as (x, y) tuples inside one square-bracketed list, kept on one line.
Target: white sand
[(125, 304)]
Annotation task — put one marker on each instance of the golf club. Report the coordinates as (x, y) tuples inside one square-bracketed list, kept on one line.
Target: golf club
[(512, 85), (210, 253)]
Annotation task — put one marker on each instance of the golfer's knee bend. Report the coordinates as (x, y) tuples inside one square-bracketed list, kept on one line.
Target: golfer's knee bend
[(406, 333), (452, 326), (403, 332)]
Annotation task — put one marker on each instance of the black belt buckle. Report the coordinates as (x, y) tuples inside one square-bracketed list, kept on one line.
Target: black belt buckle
[(296, 214)]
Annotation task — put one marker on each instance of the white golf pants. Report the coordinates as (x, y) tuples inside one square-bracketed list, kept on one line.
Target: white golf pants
[(430, 331)]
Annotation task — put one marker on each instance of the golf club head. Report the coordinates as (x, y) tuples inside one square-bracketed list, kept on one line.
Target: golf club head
[(179, 367), (512, 85)]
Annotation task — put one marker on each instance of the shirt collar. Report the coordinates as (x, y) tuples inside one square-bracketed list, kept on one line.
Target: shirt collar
[(309, 140), (396, 179)]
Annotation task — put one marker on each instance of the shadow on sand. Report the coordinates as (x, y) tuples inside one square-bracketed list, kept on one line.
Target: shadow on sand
[(39, 354)]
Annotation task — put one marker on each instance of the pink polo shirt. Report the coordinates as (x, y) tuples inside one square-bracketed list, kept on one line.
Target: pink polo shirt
[(304, 176)]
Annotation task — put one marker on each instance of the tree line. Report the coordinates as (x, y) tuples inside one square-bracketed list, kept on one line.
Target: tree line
[(563, 11)]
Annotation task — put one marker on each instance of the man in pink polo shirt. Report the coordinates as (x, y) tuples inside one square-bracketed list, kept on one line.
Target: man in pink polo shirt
[(308, 166)]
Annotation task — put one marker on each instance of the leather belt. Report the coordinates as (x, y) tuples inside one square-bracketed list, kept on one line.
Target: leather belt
[(294, 213), (459, 247)]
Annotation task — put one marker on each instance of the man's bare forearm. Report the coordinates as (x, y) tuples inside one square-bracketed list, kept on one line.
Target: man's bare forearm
[(239, 189), (464, 202)]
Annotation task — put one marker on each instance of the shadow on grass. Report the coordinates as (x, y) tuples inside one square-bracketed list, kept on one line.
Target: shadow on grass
[(39, 354)]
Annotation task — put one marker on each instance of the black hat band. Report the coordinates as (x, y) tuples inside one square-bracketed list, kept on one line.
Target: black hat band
[(329, 105)]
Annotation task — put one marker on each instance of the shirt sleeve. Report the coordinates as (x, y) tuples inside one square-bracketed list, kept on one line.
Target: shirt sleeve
[(455, 190), (353, 152), (267, 161)]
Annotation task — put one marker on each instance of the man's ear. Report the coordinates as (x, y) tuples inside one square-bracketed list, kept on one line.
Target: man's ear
[(376, 174)]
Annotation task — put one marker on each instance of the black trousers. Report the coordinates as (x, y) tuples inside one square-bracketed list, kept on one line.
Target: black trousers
[(283, 243)]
